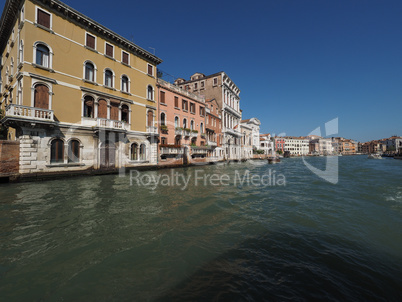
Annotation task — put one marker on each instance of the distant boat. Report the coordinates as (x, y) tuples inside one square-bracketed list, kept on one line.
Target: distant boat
[(273, 160), (340, 154), (374, 156)]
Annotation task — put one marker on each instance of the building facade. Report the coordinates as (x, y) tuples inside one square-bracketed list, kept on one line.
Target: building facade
[(297, 146), (266, 144), (213, 127), (220, 87), (181, 119), (75, 94)]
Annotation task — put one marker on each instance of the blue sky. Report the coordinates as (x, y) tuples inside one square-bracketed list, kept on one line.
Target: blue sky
[(298, 63)]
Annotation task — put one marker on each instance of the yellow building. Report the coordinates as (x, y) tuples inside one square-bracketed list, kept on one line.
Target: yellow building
[(75, 94)]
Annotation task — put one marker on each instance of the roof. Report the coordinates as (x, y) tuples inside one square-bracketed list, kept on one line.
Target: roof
[(10, 14)]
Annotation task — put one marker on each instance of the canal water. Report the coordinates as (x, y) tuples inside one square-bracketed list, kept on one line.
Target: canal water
[(241, 237)]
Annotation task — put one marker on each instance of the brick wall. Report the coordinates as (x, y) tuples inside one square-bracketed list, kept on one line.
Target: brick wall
[(9, 157)]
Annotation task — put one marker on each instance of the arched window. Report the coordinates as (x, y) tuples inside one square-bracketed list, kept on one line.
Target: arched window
[(41, 96), (89, 72), (194, 141), (74, 151), (150, 93), (134, 151), (150, 118), (124, 83), (57, 151), (192, 125), (88, 106), (42, 55), (163, 118), (184, 123), (108, 78), (176, 122), (177, 140), (124, 113), (143, 152)]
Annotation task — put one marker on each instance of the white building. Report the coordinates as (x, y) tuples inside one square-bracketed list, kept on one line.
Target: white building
[(297, 146), (250, 130), (266, 144)]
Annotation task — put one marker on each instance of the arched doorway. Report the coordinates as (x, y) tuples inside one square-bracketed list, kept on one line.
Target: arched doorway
[(107, 155)]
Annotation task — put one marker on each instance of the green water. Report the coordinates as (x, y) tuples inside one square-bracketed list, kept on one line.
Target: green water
[(101, 239)]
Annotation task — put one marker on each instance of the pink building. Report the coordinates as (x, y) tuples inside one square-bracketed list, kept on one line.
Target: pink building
[(181, 116)]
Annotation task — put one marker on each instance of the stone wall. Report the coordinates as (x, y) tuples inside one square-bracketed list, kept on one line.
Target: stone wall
[(9, 157)]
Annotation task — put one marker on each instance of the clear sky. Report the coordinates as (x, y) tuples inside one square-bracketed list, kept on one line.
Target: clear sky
[(298, 63)]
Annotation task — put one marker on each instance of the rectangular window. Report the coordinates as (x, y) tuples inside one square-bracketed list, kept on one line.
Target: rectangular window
[(195, 86), (43, 18), (202, 111), (192, 107), (109, 50), (90, 41), (185, 105), (215, 81), (176, 102), (162, 97), (150, 70), (202, 84), (124, 58)]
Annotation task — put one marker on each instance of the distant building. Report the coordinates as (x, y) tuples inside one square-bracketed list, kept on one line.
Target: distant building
[(266, 144), (297, 146), (279, 144), (214, 129), (220, 87)]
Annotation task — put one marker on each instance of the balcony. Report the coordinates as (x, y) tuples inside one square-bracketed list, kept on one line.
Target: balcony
[(179, 131), (105, 123), (212, 144), (173, 149), (232, 132), (29, 113), (193, 134), (152, 129)]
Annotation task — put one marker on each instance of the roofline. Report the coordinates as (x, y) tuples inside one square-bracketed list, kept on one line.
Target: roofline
[(85, 21)]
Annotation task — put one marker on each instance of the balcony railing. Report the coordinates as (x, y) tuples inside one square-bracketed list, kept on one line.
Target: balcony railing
[(172, 150), (105, 123), (179, 131), (152, 129), (193, 134), (232, 131), (30, 112), (211, 143)]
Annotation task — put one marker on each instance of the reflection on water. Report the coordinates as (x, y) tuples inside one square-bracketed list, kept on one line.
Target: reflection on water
[(100, 239)]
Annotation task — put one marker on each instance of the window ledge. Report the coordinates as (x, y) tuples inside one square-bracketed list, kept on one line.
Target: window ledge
[(44, 28), (150, 75), (138, 161), (65, 165), (111, 88), (42, 67), (192, 113), (150, 100), (184, 110), (125, 64), (177, 108), (163, 104), (109, 57), (91, 49), (125, 92), (20, 65), (90, 82)]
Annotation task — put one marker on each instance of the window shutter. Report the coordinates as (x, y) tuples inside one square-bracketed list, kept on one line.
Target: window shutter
[(109, 50), (125, 57), (150, 69), (162, 97), (43, 18), (90, 41)]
